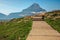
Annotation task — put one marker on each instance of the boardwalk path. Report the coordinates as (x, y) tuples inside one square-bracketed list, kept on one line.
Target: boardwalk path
[(42, 31)]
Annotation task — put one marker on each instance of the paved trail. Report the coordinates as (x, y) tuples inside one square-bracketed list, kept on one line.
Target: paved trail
[(42, 31)]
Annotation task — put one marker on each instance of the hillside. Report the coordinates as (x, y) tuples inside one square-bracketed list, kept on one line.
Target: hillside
[(15, 29), (53, 18), (53, 14)]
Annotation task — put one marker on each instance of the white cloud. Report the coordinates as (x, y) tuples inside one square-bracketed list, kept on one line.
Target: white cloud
[(4, 12), (34, 12)]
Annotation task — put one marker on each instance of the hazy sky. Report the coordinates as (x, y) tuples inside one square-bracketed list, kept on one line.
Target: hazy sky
[(8, 6)]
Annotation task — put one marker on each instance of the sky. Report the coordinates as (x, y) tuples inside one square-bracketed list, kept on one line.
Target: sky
[(10, 6)]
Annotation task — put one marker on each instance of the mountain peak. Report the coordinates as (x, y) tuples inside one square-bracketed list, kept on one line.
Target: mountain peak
[(35, 5)]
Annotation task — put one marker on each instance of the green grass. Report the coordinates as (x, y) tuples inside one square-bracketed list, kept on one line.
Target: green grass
[(55, 24), (13, 30)]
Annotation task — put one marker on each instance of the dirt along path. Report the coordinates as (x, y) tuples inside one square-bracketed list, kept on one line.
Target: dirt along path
[(42, 31)]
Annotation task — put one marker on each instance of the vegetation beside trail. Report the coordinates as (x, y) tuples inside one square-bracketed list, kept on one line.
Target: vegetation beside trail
[(53, 19), (16, 29), (54, 23)]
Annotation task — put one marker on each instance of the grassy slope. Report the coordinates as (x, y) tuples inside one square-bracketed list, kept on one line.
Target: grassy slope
[(15, 29), (54, 20), (55, 24)]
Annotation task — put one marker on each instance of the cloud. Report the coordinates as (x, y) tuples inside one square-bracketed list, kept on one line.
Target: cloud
[(33, 12), (4, 12)]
